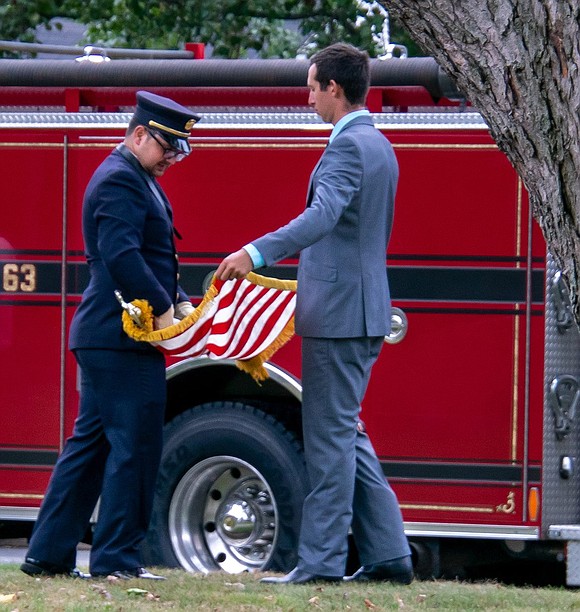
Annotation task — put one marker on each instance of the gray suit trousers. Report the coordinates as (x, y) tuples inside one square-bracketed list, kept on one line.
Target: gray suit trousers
[(347, 485)]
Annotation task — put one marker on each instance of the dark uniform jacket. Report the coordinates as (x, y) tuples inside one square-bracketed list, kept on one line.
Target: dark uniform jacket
[(129, 246)]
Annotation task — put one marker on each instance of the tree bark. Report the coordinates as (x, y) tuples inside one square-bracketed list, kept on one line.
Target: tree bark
[(517, 62)]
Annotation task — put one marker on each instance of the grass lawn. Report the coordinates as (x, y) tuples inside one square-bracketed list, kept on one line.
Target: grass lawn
[(227, 593)]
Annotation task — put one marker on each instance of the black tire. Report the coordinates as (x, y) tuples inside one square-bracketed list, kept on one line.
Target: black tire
[(229, 492)]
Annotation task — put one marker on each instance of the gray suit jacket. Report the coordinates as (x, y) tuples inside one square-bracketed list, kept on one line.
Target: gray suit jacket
[(342, 237)]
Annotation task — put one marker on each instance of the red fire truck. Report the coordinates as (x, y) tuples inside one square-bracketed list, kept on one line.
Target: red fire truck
[(472, 404)]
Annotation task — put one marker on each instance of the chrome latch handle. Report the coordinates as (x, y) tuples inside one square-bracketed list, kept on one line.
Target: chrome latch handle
[(564, 397), (399, 326), (564, 317)]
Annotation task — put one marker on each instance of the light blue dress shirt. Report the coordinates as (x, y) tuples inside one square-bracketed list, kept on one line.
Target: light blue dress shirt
[(255, 255), (341, 123), (251, 250)]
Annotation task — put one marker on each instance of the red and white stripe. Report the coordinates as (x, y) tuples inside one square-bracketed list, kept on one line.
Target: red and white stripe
[(239, 323)]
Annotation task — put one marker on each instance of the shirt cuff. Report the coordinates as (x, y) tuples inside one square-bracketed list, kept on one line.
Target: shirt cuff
[(255, 255)]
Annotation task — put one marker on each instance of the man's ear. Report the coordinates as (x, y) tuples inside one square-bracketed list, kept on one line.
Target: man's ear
[(335, 88), (139, 132)]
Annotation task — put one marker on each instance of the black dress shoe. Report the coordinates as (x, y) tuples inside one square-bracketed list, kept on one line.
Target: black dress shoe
[(36, 568), (298, 576), (398, 570), (139, 572)]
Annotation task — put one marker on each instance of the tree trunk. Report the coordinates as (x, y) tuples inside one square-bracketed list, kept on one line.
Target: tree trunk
[(517, 62)]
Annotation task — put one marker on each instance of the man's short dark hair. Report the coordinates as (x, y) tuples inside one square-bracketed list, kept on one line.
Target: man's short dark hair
[(347, 66), (133, 123)]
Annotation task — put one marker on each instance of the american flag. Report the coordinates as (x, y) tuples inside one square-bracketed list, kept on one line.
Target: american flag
[(246, 320)]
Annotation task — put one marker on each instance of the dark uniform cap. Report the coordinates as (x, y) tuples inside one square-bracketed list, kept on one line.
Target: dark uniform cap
[(172, 120)]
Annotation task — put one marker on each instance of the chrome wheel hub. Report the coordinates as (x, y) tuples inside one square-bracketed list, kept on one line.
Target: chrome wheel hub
[(223, 516)]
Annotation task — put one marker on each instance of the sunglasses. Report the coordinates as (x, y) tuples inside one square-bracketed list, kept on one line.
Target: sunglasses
[(169, 152)]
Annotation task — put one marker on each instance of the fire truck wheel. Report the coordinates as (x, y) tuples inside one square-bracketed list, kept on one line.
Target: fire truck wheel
[(229, 492)]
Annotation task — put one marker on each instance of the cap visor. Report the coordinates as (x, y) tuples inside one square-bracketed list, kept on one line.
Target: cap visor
[(182, 145), (179, 144)]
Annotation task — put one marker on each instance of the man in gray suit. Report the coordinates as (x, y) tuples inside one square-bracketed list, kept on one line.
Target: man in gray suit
[(342, 313)]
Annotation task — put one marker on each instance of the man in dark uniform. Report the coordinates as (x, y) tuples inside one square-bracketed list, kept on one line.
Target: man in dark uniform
[(115, 448)]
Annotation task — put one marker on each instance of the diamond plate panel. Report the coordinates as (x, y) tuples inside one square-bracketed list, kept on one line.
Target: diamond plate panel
[(560, 496), (253, 118), (573, 564)]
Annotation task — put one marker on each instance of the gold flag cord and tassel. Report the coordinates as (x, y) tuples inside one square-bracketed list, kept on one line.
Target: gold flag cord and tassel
[(143, 330)]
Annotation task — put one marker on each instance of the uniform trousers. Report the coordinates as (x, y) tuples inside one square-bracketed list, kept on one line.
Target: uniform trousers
[(114, 453), (347, 485)]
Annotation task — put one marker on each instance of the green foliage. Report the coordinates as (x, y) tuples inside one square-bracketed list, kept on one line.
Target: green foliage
[(19, 18), (233, 28)]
